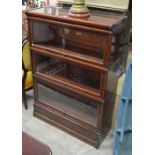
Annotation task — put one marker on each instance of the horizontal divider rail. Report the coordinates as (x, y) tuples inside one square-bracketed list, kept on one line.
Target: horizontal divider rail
[(70, 87), (66, 57)]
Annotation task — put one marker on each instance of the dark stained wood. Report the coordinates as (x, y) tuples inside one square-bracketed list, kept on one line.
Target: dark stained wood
[(75, 63), (24, 24), (70, 126), (101, 20), (80, 26), (69, 57), (70, 88), (125, 35), (31, 146)]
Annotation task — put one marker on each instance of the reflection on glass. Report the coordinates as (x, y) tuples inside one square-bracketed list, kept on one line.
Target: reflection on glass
[(69, 40), (69, 106), (49, 10), (68, 72)]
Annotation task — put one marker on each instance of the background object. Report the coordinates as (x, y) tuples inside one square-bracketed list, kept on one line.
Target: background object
[(123, 129), (31, 146), (79, 9), (26, 70), (24, 24), (52, 2), (35, 3), (110, 4), (23, 2)]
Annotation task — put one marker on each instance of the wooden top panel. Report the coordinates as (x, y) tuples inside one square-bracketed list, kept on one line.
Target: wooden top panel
[(97, 19)]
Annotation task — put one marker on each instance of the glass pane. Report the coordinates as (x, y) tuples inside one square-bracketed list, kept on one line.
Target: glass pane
[(69, 106), (67, 40), (69, 73)]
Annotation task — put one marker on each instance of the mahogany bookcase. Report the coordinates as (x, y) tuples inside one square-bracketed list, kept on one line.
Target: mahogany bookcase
[(75, 64)]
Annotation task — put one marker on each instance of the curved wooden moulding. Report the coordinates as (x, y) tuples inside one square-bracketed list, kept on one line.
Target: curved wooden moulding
[(79, 10)]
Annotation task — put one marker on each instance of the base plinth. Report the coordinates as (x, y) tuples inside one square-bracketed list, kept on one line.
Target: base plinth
[(78, 15)]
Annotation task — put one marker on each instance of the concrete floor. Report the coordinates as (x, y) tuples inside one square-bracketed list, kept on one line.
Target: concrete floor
[(60, 142)]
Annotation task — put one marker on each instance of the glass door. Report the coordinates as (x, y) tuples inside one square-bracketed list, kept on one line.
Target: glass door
[(69, 75), (69, 41), (69, 107)]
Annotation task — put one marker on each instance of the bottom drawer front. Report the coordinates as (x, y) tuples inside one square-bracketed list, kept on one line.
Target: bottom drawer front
[(71, 127)]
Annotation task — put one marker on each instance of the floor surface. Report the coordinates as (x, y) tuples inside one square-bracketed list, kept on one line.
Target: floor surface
[(60, 142)]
